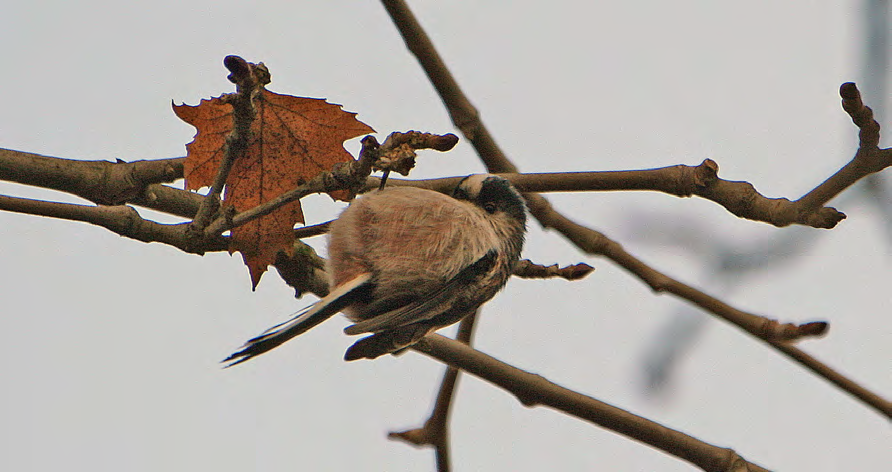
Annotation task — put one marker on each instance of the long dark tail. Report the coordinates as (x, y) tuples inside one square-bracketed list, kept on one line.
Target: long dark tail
[(337, 300)]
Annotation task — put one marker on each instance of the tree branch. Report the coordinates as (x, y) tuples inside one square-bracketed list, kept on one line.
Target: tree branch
[(131, 182), (348, 175), (846, 384), (249, 79), (738, 197), (534, 390), (527, 269), (120, 219), (869, 158), (435, 431), (103, 182)]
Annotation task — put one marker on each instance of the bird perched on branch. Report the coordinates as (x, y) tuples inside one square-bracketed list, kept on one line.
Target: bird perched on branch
[(405, 261)]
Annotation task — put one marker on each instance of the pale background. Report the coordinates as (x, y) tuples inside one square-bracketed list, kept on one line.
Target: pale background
[(110, 346)]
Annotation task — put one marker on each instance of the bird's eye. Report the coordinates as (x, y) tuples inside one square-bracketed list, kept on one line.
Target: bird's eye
[(490, 207)]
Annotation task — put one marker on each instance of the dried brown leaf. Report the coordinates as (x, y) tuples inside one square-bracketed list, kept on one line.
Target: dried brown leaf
[(292, 140)]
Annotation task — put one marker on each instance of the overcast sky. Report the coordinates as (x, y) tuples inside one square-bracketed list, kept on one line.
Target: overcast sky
[(109, 348)]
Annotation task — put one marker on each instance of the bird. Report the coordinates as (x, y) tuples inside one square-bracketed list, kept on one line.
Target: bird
[(406, 261)]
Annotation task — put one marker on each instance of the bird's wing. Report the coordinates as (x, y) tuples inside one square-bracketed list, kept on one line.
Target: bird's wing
[(339, 298), (387, 342), (430, 305)]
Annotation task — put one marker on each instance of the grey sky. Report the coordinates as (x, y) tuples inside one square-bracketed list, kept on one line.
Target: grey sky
[(110, 346)]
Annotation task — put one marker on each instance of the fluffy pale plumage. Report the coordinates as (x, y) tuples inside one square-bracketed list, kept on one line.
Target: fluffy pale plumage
[(405, 261)]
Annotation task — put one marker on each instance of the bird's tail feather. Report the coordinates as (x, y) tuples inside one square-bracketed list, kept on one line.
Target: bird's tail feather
[(337, 300)]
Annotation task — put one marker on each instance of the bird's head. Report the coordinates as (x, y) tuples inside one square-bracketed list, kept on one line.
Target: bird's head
[(501, 202)]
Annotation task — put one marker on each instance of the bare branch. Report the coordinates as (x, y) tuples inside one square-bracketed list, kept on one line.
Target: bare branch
[(120, 219), (103, 182), (596, 243), (396, 153), (173, 201), (527, 269), (249, 79), (348, 175), (461, 111), (868, 159), (535, 390), (740, 198), (846, 384), (435, 431), (312, 230)]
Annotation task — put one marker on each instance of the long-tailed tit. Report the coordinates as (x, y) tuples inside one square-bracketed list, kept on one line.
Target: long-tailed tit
[(405, 261)]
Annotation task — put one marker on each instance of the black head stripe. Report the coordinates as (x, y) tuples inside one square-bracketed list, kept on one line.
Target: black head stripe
[(499, 191), (461, 190), (491, 192)]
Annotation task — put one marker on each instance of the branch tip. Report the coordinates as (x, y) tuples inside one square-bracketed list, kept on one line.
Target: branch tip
[(849, 91), (815, 328), (445, 142), (244, 73), (527, 269), (238, 68), (415, 437)]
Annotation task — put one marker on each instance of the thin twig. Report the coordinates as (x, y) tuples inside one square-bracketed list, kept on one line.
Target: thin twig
[(312, 230), (527, 269), (348, 175), (868, 159), (738, 197), (846, 384), (120, 219), (435, 431), (397, 153), (771, 332), (249, 80), (173, 201), (535, 390), (596, 243)]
